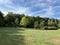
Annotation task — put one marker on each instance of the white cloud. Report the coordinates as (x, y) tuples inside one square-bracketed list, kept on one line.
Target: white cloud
[(5, 1), (41, 5), (3, 11), (22, 10), (39, 11), (50, 11), (14, 9), (47, 11)]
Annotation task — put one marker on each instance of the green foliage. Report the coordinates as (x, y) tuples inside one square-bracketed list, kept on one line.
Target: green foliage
[(1, 19), (51, 28), (10, 19), (19, 16), (24, 21), (58, 23), (38, 18), (28, 21), (36, 25), (31, 21), (52, 24), (42, 24), (16, 22)]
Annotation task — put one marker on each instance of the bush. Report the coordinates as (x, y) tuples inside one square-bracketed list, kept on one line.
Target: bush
[(51, 28)]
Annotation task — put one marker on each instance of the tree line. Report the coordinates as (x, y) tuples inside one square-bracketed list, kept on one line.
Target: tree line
[(21, 20)]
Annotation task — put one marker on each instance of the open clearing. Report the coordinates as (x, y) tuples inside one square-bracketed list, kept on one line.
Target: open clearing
[(26, 36)]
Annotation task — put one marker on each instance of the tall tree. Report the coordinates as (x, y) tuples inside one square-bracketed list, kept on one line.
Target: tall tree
[(31, 21), (24, 21), (58, 23), (10, 19), (1, 19), (19, 16), (36, 24), (16, 22), (42, 24)]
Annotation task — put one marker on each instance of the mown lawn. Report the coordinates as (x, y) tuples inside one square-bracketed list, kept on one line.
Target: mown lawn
[(26, 36)]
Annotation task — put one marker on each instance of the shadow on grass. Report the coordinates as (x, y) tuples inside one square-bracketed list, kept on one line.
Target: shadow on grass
[(11, 36), (51, 29)]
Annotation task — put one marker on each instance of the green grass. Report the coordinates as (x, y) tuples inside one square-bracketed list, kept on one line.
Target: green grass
[(26, 36)]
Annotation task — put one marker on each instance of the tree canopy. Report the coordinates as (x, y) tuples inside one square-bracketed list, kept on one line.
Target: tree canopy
[(23, 20)]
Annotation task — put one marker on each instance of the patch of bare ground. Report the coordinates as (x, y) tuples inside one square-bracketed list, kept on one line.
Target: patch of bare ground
[(55, 41), (28, 38)]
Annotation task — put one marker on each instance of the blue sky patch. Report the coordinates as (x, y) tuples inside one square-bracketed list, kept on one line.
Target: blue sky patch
[(42, 8)]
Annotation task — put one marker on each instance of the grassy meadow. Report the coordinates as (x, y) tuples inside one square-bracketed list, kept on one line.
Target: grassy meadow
[(26, 36)]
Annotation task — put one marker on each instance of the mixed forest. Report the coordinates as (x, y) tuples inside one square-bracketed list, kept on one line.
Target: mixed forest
[(22, 20)]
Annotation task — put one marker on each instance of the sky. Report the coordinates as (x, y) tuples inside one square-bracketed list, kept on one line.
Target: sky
[(42, 8)]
